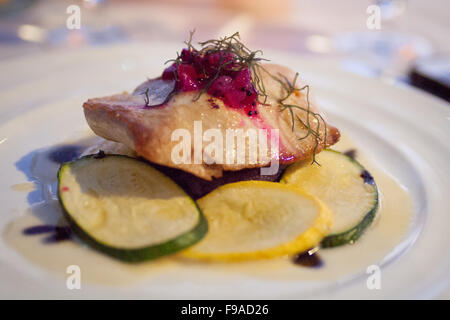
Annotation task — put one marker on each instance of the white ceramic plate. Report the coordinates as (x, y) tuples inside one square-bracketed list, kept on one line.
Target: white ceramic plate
[(405, 131)]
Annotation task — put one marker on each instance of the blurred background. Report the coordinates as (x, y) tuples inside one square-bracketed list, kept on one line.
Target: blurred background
[(401, 41)]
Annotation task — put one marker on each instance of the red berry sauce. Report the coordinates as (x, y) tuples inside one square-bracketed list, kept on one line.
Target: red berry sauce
[(233, 84)]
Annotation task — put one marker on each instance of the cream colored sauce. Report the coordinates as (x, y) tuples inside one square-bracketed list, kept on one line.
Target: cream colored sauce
[(390, 227), (23, 187)]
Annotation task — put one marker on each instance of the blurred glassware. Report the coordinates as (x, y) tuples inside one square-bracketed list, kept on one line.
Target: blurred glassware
[(385, 53), (51, 29)]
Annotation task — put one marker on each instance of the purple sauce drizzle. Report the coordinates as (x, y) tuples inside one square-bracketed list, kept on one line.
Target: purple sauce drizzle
[(367, 177), (66, 153), (351, 153), (58, 233), (61, 234), (99, 155), (305, 259), (39, 229)]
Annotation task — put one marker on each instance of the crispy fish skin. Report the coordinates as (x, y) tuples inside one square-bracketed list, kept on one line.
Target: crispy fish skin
[(123, 118)]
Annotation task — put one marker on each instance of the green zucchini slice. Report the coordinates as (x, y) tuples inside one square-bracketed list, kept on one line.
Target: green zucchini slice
[(127, 209), (345, 187)]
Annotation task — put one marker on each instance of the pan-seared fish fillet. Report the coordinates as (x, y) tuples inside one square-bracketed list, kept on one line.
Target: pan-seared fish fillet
[(148, 131)]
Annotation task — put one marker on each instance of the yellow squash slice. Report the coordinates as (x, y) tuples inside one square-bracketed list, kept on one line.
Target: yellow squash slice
[(259, 220), (345, 187)]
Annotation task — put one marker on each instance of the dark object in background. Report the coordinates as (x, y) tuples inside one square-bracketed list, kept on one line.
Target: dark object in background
[(432, 74), (8, 7)]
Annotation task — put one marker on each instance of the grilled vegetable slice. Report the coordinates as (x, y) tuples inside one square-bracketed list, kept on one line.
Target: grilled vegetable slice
[(259, 219), (345, 187), (127, 209)]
